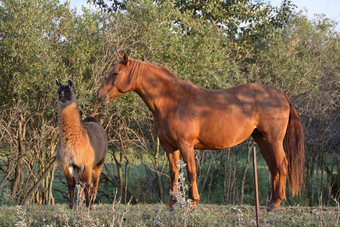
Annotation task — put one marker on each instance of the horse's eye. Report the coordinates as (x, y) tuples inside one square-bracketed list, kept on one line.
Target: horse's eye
[(115, 74)]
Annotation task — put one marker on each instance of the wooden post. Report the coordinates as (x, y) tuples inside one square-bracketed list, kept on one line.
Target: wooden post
[(257, 202)]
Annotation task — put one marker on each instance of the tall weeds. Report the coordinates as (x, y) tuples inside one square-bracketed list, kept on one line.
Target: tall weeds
[(184, 203), (116, 215)]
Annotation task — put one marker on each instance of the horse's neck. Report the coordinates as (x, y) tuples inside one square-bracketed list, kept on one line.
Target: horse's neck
[(69, 119), (158, 89)]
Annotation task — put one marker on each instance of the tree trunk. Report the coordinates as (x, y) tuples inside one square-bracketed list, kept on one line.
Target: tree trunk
[(245, 174), (50, 187), (202, 186), (233, 185), (210, 182), (120, 175), (36, 185)]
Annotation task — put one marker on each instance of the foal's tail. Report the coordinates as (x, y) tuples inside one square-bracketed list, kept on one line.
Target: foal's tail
[(295, 151)]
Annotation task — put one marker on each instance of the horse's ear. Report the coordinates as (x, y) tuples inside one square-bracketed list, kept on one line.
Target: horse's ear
[(70, 83), (57, 83), (126, 59)]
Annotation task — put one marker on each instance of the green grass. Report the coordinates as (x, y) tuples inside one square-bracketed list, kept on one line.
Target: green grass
[(157, 215)]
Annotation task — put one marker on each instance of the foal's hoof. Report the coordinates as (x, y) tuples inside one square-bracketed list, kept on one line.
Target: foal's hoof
[(273, 208)]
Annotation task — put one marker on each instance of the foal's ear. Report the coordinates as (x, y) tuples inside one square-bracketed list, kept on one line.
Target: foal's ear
[(125, 59), (57, 83), (70, 83)]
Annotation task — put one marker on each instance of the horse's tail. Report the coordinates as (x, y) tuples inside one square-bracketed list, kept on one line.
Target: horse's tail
[(295, 151)]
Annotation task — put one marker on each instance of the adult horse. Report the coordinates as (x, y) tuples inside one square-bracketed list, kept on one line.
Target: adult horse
[(189, 117)]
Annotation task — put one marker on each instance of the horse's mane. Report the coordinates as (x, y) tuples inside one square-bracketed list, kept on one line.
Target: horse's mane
[(137, 65)]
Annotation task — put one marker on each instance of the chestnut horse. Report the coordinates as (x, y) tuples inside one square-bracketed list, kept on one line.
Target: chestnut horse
[(189, 117)]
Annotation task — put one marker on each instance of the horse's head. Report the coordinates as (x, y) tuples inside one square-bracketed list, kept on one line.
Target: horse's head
[(65, 93), (118, 82)]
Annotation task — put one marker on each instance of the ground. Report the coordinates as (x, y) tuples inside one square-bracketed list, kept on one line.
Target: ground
[(158, 215)]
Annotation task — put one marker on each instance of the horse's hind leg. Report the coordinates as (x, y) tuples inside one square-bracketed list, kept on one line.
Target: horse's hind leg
[(274, 155), (95, 180), (188, 155)]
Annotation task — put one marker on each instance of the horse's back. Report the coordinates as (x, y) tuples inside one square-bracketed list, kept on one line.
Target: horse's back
[(262, 102), (229, 116), (258, 98), (98, 140)]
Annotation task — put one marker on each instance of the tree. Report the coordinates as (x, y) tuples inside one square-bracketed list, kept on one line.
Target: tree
[(40, 41)]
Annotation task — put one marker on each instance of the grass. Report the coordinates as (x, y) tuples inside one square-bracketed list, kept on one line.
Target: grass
[(158, 215)]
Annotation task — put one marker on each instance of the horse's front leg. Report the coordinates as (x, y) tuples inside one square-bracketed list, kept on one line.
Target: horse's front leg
[(188, 154), (173, 157)]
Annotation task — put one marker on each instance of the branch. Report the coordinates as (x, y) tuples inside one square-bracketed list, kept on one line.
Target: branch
[(28, 195)]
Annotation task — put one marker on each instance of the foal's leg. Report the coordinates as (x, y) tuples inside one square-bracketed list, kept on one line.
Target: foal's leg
[(95, 179), (188, 154), (276, 160), (71, 183), (86, 179), (173, 158)]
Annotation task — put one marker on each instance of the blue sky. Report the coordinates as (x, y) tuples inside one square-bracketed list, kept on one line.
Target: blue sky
[(331, 8)]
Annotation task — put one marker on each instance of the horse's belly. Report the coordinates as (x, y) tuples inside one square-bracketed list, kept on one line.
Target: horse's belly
[(213, 144), (222, 136)]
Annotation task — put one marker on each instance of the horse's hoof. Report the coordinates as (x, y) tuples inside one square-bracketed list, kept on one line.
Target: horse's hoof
[(273, 208), (193, 206)]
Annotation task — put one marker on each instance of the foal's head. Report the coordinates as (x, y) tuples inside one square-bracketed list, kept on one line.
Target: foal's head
[(65, 92), (119, 81)]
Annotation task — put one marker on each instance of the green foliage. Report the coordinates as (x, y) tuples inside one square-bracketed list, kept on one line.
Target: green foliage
[(301, 57), (176, 40), (29, 59), (42, 41), (6, 199)]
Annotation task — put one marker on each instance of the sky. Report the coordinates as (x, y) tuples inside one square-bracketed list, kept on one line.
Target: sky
[(331, 8)]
